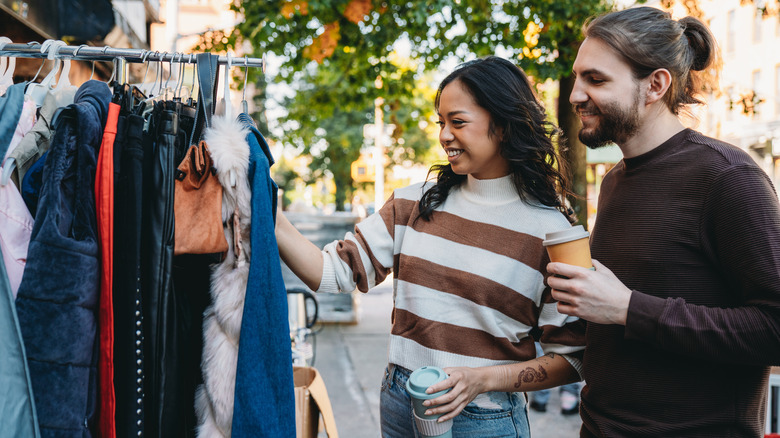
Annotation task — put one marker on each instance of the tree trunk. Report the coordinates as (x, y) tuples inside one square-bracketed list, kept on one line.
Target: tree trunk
[(341, 195), (575, 152)]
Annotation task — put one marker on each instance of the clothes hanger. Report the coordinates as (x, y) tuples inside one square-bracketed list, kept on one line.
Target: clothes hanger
[(43, 62), (113, 69), (37, 92), (244, 105), (162, 90), (228, 109), (64, 80), (179, 80), (76, 53), (166, 90), (146, 71), (162, 74), (226, 89), (150, 90), (64, 92), (191, 100), (159, 75)]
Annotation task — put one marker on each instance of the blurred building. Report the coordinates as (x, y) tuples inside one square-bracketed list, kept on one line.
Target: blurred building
[(118, 23), (746, 110), (747, 113), (165, 26)]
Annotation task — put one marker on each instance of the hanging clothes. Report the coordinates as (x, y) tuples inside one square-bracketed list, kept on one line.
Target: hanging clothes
[(35, 143), (57, 300), (17, 406), (175, 289), (157, 265), (191, 296), (104, 205), (128, 300), (15, 220), (264, 399), (222, 321)]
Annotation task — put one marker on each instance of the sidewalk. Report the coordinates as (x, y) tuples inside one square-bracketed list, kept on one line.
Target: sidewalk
[(352, 360)]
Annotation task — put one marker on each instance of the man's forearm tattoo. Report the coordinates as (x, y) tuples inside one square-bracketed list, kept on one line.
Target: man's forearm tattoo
[(530, 375)]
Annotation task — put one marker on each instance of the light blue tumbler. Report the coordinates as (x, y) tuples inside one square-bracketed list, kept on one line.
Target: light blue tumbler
[(418, 382)]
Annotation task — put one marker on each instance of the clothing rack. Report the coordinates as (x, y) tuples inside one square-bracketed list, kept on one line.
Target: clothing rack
[(107, 53)]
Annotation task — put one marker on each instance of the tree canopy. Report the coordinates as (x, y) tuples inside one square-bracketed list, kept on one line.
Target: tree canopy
[(334, 50)]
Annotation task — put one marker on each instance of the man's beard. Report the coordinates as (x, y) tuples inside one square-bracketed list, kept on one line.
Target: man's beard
[(615, 124)]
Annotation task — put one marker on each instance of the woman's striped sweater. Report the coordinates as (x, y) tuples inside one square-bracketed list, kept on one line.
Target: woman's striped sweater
[(468, 284)]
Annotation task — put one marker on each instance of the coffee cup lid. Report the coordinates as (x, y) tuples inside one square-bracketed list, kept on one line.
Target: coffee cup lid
[(422, 378), (563, 236)]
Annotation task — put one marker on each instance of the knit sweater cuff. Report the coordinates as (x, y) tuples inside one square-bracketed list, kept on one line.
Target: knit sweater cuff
[(328, 282), (575, 363), (644, 314)]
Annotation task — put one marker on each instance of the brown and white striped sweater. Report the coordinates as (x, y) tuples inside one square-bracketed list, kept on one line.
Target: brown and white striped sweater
[(468, 284)]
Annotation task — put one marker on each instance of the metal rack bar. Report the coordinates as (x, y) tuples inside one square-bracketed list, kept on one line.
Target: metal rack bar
[(91, 53)]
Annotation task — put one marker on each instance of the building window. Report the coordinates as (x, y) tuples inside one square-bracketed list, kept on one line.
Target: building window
[(732, 31)]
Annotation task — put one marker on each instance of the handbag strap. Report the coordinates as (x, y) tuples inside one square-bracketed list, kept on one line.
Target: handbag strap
[(208, 78)]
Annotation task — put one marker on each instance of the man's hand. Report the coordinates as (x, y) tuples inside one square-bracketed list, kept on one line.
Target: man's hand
[(596, 296)]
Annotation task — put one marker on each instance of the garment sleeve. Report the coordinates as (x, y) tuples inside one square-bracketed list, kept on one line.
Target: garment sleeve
[(364, 258), (741, 232), (560, 333)]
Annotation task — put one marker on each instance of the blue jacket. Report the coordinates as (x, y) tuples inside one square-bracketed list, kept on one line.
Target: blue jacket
[(264, 396), (58, 296)]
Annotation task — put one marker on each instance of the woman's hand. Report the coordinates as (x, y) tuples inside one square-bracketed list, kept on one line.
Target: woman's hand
[(466, 384)]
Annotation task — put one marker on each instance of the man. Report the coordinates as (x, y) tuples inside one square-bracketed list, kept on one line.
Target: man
[(684, 302)]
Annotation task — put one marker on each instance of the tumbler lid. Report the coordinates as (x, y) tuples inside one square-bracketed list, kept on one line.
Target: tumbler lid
[(422, 378), (574, 233)]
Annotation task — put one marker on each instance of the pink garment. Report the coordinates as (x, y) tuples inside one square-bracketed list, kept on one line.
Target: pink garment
[(16, 222)]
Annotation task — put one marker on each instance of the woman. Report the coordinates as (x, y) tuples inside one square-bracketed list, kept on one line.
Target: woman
[(467, 260)]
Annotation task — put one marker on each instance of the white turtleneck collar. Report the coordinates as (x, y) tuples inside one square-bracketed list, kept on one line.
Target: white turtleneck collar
[(490, 191)]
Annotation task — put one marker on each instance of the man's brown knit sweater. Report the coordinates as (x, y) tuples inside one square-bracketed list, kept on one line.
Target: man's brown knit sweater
[(693, 228)]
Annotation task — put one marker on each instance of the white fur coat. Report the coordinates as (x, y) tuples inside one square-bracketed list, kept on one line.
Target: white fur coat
[(226, 140)]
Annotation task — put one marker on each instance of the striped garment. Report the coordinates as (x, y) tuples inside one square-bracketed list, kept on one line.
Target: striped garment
[(468, 285)]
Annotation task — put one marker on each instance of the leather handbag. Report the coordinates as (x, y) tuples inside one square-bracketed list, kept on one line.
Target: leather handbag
[(197, 205)]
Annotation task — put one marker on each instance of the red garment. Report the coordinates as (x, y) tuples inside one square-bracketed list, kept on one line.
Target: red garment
[(104, 206)]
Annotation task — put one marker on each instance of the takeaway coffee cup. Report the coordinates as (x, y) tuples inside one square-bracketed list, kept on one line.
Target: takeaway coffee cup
[(570, 246), (418, 382)]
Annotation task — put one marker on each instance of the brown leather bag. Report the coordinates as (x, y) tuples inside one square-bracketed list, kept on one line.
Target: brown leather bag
[(197, 205)]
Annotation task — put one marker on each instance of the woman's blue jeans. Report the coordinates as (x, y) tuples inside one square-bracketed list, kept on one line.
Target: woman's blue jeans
[(493, 414)]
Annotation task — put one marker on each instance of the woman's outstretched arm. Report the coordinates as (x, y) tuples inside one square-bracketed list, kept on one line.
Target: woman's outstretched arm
[(298, 253)]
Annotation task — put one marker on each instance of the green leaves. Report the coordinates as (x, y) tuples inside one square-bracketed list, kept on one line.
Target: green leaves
[(334, 50)]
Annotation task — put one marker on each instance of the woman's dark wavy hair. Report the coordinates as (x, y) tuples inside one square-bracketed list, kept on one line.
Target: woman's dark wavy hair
[(527, 144)]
